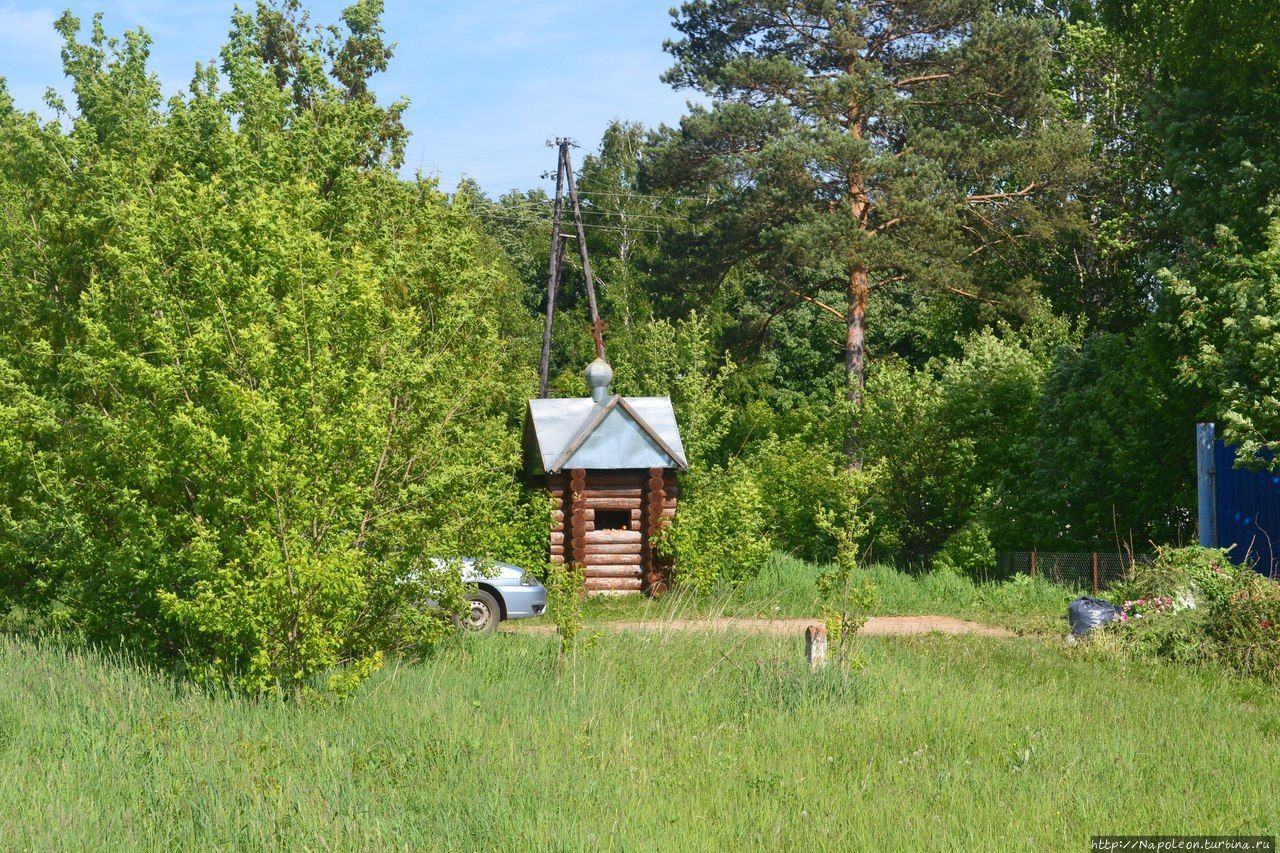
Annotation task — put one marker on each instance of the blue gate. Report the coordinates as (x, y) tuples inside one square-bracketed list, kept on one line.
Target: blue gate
[(1238, 507)]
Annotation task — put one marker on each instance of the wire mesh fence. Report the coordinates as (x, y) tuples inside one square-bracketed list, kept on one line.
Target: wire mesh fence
[(1092, 571)]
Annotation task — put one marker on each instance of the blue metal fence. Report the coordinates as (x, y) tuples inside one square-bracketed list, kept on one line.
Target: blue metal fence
[(1238, 507)]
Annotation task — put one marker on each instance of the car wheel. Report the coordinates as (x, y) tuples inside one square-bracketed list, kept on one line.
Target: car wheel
[(484, 615)]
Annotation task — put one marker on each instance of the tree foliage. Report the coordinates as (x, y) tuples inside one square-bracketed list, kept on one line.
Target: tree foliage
[(853, 145), (251, 379), (1217, 75), (1231, 312)]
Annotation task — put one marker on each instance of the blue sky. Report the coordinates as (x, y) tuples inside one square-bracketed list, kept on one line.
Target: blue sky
[(490, 80)]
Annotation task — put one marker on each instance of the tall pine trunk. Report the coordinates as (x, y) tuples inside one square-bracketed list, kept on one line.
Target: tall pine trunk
[(855, 361), (855, 349)]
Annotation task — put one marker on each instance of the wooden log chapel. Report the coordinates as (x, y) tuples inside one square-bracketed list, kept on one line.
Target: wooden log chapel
[(609, 463)]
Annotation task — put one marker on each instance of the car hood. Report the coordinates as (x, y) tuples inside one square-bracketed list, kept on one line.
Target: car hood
[(493, 570)]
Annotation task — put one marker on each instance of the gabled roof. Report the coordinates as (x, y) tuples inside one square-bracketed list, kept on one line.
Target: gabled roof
[(621, 432)]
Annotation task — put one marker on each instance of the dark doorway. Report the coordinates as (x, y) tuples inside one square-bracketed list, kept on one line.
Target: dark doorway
[(613, 519)]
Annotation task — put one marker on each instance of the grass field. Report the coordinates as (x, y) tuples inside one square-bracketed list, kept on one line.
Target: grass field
[(673, 742), (787, 587)]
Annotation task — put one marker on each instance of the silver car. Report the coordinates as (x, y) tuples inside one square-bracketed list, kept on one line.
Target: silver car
[(500, 591)]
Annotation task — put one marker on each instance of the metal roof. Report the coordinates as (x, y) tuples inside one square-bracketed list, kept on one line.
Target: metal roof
[(618, 432)]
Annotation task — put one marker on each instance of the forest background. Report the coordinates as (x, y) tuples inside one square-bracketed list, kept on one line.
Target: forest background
[(928, 278)]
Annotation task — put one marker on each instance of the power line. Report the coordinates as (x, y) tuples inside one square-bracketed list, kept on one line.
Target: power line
[(538, 207), (532, 215), (617, 229), (603, 190), (546, 204), (630, 194)]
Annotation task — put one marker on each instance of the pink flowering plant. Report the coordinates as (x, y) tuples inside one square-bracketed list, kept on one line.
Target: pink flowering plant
[(1141, 607)]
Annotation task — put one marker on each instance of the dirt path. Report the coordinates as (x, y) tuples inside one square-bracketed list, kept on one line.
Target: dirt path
[(877, 626)]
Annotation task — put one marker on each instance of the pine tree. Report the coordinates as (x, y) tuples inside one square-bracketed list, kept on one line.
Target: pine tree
[(865, 144)]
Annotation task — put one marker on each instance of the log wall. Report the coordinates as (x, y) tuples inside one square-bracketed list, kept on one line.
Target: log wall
[(615, 561)]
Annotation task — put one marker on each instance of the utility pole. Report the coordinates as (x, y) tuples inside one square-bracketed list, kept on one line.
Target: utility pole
[(557, 260), (564, 175), (597, 328)]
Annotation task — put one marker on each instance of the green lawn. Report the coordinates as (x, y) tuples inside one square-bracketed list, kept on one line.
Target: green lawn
[(787, 587), (656, 741)]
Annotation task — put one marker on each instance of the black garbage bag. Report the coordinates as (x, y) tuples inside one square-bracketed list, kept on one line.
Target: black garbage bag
[(1087, 613)]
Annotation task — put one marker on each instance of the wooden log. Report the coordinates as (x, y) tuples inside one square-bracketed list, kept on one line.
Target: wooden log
[(612, 572), (612, 548), (601, 584), (578, 516), (598, 492), (557, 558), (612, 536), (612, 592), (590, 559), (628, 570), (611, 503), (557, 537)]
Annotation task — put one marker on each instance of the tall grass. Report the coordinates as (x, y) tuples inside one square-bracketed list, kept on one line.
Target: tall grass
[(788, 587), (662, 741)]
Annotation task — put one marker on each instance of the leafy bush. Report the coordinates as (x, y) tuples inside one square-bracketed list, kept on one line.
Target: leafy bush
[(807, 481), (251, 380), (564, 603), (952, 437), (1109, 450), (719, 534), (848, 596), (1231, 312), (1177, 636), (1191, 576), (1245, 627), (1191, 605), (967, 552)]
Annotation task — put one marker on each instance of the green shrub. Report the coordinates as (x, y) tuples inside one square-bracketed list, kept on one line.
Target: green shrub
[(564, 604), (948, 586), (1245, 627), (250, 380), (1207, 611), (1177, 636), (1192, 576), (806, 479), (967, 552), (719, 535)]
